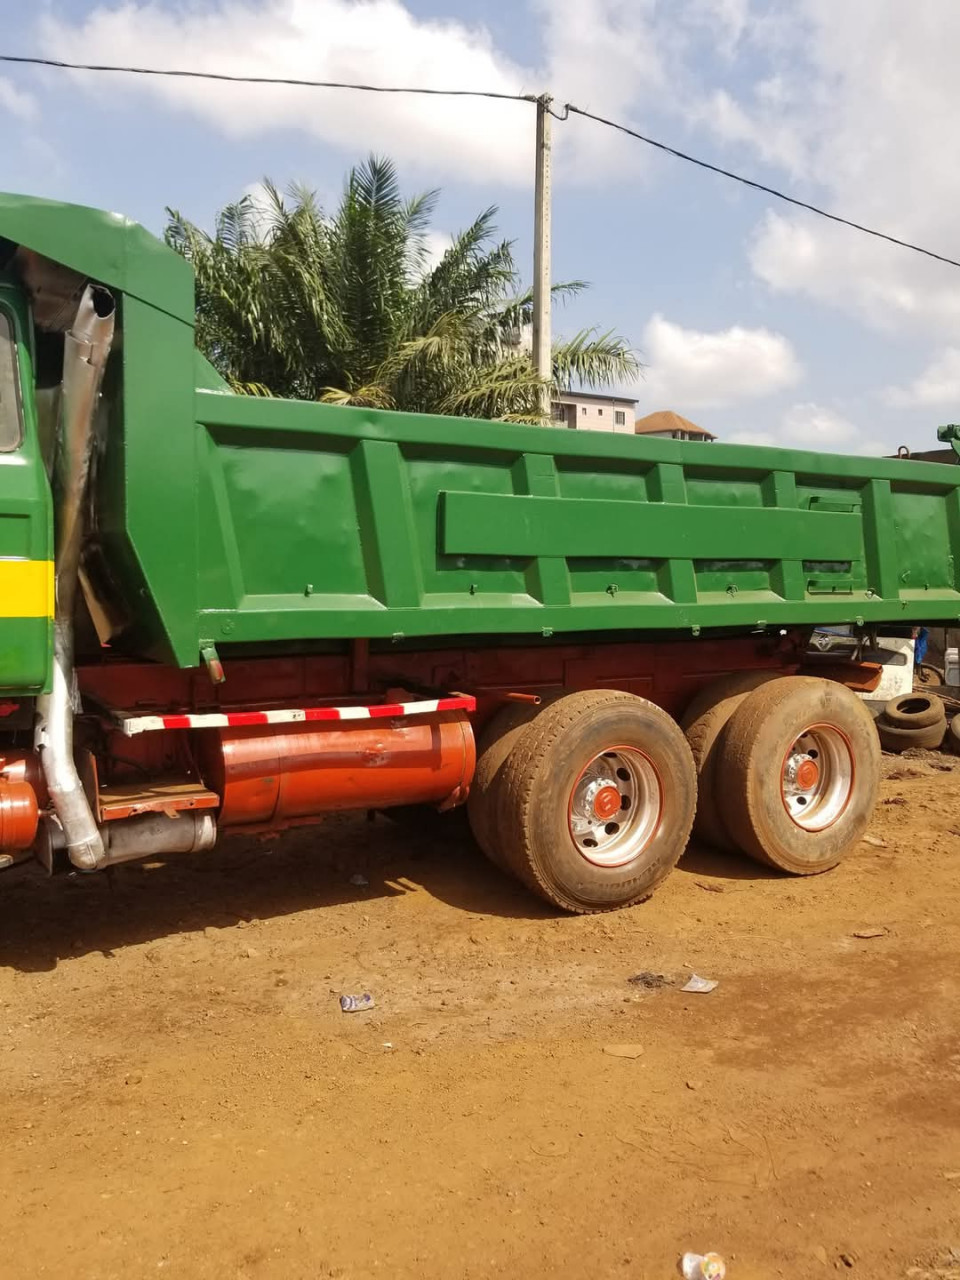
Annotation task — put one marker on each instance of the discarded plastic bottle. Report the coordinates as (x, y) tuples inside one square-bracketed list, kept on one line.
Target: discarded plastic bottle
[(703, 1266)]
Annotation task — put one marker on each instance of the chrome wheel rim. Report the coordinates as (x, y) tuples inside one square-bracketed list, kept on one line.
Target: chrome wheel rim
[(615, 807), (817, 777)]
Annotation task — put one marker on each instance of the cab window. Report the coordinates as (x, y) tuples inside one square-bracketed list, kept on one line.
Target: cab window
[(11, 425)]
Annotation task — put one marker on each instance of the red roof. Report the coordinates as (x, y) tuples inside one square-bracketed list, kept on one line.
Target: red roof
[(665, 420)]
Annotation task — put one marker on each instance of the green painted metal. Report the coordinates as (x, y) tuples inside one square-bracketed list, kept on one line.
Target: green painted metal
[(513, 525), (26, 528), (229, 519), (325, 522), (102, 246), (148, 481), (24, 655), (950, 434)]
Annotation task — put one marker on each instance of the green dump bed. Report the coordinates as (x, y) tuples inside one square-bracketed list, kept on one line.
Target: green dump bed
[(325, 522), (247, 520)]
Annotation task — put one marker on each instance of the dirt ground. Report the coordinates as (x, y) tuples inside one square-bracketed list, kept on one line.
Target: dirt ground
[(184, 1097)]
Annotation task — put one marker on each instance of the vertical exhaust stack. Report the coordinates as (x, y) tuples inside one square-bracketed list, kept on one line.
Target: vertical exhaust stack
[(86, 347)]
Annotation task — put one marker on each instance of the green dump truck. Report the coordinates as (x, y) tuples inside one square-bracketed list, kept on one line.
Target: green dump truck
[(228, 613)]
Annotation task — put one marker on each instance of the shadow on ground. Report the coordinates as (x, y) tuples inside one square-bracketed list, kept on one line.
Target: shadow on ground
[(45, 920), (703, 860)]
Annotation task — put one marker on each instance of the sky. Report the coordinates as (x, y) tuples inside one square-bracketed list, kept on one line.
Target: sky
[(759, 321)]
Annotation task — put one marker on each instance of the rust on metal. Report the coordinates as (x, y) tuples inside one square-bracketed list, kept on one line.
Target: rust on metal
[(860, 677), (128, 799), (285, 773)]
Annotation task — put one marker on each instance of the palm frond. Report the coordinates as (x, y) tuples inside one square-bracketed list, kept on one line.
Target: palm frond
[(517, 312), (235, 228), (594, 359), (418, 212), (340, 306), (371, 397), (508, 389), (251, 389)]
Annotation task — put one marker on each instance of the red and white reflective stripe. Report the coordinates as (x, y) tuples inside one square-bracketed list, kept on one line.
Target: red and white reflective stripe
[(131, 725)]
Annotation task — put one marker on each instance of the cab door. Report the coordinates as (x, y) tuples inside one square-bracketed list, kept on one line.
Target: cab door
[(26, 518)]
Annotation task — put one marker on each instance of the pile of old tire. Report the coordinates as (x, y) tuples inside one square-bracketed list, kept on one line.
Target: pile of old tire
[(913, 720)]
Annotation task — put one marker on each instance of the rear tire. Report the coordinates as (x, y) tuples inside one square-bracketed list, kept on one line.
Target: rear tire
[(801, 770), (703, 723), (596, 801), (497, 740)]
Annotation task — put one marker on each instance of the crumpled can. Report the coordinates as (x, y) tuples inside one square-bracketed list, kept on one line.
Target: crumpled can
[(703, 1266), (356, 1004)]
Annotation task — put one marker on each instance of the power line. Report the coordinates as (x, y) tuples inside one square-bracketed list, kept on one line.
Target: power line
[(301, 84), (569, 109)]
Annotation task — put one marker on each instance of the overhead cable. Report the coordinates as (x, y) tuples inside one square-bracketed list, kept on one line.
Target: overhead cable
[(287, 80), (568, 110)]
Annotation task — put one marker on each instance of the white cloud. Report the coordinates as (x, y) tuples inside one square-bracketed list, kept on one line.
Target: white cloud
[(938, 384), (890, 289), (751, 437), (372, 42), (613, 57), (861, 104), (631, 61), (436, 244), (816, 428), (776, 142), (689, 369), (824, 430), (13, 100), (725, 19), (608, 57)]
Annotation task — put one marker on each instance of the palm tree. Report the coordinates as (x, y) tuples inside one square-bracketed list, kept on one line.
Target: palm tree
[(349, 309)]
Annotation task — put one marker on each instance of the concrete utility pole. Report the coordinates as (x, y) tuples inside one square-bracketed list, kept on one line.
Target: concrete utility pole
[(542, 340)]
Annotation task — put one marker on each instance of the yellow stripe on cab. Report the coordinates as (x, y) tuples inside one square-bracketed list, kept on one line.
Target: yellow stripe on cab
[(26, 588)]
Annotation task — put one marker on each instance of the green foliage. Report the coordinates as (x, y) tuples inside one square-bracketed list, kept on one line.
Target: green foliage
[(347, 307)]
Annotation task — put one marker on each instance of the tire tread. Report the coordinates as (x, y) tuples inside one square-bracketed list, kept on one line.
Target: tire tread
[(703, 724), (742, 745), (520, 778)]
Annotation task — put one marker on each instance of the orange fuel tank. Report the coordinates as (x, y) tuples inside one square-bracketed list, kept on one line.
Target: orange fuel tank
[(19, 814), (270, 776), (21, 794)]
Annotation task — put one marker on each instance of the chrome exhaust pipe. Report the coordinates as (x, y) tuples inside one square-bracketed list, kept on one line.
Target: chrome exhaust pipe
[(86, 347), (154, 834), (150, 835)]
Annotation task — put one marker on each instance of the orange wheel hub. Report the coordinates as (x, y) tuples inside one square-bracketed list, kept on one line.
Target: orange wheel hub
[(606, 803), (808, 774)]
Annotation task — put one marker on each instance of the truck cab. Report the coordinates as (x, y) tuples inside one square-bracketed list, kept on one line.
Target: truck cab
[(26, 516)]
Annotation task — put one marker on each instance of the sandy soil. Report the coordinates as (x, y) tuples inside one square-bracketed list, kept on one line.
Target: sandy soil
[(184, 1097)]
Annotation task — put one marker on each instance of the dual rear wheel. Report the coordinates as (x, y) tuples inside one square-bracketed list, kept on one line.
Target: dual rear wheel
[(590, 800), (797, 774)]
